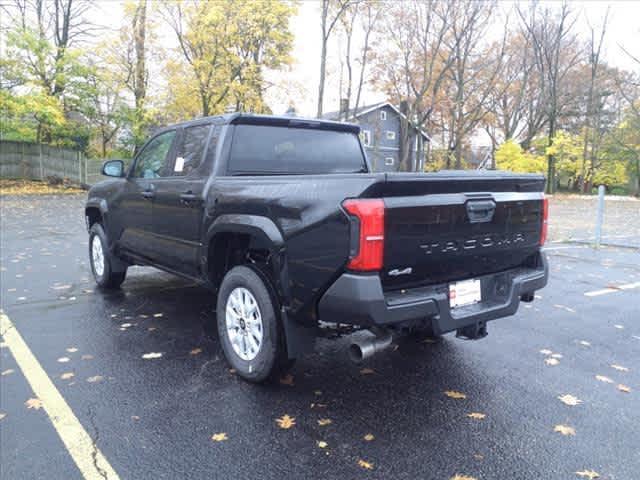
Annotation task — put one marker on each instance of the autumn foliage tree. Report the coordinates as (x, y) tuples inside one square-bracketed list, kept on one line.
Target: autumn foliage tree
[(223, 50)]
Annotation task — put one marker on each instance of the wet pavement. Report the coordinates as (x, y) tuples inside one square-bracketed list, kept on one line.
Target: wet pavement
[(154, 418)]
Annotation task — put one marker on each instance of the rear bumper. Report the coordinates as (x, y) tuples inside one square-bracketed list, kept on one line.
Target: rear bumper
[(359, 300)]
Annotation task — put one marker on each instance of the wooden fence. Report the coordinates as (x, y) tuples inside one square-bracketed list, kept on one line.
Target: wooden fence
[(36, 161)]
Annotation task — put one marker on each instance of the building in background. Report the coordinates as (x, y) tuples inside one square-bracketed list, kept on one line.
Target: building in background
[(381, 127)]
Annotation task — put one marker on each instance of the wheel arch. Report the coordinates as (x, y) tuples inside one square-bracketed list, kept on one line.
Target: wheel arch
[(255, 240), (95, 211)]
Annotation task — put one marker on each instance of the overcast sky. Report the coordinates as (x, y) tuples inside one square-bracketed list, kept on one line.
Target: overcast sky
[(300, 84)]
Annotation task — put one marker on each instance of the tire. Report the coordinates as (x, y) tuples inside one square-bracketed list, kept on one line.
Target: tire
[(103, 271), (246, 327)]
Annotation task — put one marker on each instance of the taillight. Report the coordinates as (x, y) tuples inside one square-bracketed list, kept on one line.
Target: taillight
[(545, 221), (370, 218)]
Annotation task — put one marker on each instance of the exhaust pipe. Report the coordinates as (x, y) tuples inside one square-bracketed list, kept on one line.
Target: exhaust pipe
[(365, 348)]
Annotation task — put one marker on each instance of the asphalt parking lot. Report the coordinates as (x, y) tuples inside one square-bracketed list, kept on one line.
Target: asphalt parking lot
[(405, 414)]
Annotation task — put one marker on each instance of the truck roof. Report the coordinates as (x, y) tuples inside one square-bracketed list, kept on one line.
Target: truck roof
[(273, 120)]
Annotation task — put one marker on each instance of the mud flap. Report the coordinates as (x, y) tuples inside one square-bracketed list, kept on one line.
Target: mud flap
[(300, 339)]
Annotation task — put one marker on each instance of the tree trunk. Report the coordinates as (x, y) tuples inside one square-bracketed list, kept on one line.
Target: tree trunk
[(140, 82), (551, 168)]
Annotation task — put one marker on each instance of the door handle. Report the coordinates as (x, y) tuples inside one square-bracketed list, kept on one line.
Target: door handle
[(187, 197), (148, 194)]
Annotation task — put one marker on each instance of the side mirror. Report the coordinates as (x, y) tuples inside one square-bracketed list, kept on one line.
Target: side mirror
[(113, 168)]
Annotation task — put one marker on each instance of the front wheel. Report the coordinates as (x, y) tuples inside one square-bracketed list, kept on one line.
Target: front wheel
[(101, 260), (249, 326)]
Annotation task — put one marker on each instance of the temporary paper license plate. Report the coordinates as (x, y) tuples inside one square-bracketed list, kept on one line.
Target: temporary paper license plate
[(464, 293)]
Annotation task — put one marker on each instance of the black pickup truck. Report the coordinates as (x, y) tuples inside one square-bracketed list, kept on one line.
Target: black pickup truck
[(283, 219)]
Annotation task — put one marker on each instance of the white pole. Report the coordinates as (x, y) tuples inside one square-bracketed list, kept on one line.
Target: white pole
[(599, 215)]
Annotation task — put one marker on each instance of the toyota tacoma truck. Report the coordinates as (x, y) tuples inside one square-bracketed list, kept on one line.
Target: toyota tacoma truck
[(295, 235)]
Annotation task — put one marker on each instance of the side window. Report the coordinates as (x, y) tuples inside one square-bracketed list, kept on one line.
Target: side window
[(150, 163), (191, 150)]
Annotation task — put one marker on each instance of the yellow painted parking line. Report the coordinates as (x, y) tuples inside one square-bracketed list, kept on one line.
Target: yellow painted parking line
[(90, 461)]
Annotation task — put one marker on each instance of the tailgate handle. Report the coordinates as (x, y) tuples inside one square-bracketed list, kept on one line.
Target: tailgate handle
[(481, 211)]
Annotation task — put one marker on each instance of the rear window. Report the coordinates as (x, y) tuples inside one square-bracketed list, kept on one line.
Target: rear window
[(263, 149)]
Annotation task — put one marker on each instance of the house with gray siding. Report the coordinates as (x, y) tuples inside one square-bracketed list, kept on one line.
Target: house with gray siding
[(380, 133)]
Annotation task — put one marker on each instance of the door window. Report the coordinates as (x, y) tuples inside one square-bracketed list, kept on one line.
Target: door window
[(191, 150), (151, 162)]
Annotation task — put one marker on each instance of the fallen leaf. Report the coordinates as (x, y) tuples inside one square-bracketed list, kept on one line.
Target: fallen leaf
[(569, 400), (151, 355), (94, 379), (322, 444), (476, 415), (366, 465), (457, 476), (368, 437), (564, 430), (8, 371), (551, 361), (67, 376), (219, 437), (286, 422), (602, 378), (546, 351), (324, 422), (34, 403), (287, 380), (87, 357), (454, 394), (620, 368), (195, 351), (63, 359), (367, 371), (590, 474), (72, 349), (624, 388)]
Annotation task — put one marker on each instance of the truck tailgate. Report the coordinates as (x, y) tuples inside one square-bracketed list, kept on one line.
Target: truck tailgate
[(450, 226)]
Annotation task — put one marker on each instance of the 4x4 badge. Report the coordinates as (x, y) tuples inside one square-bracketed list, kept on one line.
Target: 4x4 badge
[(405, 271)]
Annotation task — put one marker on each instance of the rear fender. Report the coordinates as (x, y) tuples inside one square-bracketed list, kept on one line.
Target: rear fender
[(265, 230)]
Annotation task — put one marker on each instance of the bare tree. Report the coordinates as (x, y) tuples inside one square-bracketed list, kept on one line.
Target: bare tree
[(517, 104), (331, 11), (556, 53), (472, 77), (347, 23), (412, 62), (593, 109), (369, 20)]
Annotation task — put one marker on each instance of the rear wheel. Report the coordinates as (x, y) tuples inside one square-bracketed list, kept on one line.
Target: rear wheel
[(102, 260), (249, 326)]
